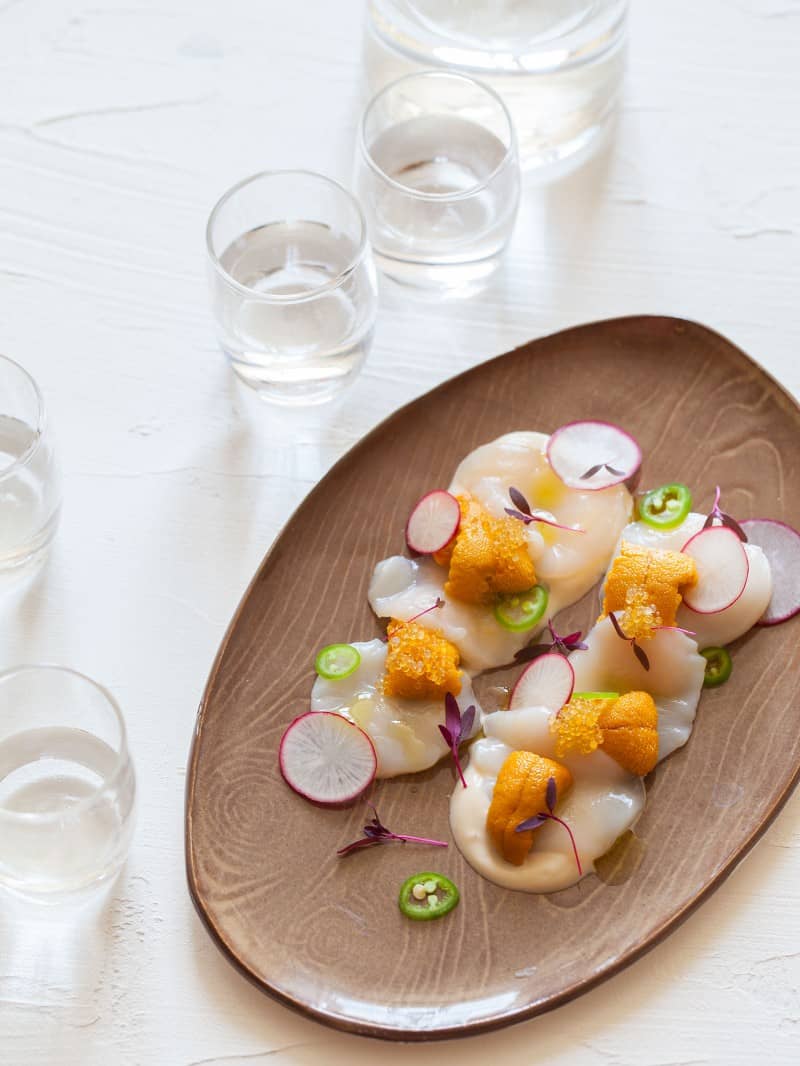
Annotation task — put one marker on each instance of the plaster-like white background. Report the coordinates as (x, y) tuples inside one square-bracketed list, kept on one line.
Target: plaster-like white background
[(120, 123)]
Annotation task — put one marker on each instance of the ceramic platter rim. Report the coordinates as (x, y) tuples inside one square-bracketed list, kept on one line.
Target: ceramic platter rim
[(613, 964)]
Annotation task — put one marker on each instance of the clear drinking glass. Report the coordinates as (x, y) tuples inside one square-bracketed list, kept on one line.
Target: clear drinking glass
[(29, 482), (558, 64), (438, 176), (66, 782), (292, 284)]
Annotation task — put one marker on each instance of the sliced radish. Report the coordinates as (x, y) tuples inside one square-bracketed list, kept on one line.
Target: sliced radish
[(781, 545), (547, 682), (593, 455), (722, 570), (326, 758), (433, 522)]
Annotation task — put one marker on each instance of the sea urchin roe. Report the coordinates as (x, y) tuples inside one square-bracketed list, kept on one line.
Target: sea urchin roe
[(645, 586), (625, 727), (420, 664), (576, 728), (630, 731), (489, 557), (521, 793)]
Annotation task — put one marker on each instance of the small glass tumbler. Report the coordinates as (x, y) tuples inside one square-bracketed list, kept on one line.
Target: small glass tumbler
[(292, 284), (29, 482), (558, 64), (67, 783), (438, 176)]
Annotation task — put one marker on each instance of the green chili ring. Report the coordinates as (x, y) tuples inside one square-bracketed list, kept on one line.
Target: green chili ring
[(435, 896), (666, 507), (718, 666)]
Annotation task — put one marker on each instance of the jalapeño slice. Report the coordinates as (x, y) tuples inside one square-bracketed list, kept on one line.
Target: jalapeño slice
[(521, 610), (718, 666), (665, 507), (426, 896), (337, 661)]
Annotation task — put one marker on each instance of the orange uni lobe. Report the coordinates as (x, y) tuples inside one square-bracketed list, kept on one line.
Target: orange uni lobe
[(420, 663), (521, 793), (488, 557), (645, 586), (629, 726)]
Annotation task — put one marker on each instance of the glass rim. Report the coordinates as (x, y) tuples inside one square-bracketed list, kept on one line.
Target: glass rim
[(308, 294), (438, 197), (41, 420), (107, 782)]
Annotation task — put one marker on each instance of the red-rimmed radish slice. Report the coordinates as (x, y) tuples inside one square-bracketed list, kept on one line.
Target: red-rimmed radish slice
[(547, 682), (781, 545), (326, 758), (593, 455), (722, 570), (433, 522)]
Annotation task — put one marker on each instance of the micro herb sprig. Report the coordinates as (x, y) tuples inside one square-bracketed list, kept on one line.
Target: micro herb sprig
[(718, 515), (549, 816), (638, 651), (457, 727), (563, 645), (375, 832), (522, 511)]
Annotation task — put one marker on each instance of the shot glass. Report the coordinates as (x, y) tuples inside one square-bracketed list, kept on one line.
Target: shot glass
[(438, 176), (29, 482), (292, 284), (67, 783)]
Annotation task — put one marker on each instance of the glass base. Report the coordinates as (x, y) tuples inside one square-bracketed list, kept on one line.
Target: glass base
[(450, 280), (294, 386), (28, 558)]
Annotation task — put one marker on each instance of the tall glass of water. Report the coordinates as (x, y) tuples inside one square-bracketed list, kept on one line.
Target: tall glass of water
[(438, 176), (66, 782), (558, 64), (29, 483), (292, 284)]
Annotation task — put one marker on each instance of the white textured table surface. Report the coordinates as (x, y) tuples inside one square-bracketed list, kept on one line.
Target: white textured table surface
[(120, 122)]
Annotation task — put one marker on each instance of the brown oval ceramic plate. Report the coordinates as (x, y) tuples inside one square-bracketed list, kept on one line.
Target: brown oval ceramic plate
[(324, 934)]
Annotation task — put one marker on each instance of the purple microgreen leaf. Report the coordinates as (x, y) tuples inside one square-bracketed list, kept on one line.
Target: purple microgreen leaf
[(641, 655), (619, 630), (527, 519), (452, 714), (540, 819), (356, 845), (731, 523), (377, 833), (519, 500), (448, 736), (467, 722), (709, 521), (613, 470), (531, 823), (591, 472), (550, 794)]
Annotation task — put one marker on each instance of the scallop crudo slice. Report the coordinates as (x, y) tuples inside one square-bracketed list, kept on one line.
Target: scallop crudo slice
[(722, 569), (326, 758), (593, 455), (433, 523), (781, 545), (547, 682)]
